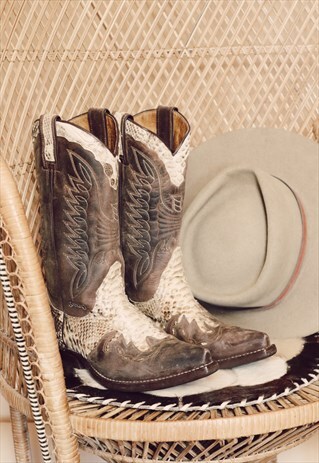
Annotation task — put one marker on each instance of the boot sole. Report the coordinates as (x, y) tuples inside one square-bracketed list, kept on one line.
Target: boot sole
[(77, 361), (248, 357)]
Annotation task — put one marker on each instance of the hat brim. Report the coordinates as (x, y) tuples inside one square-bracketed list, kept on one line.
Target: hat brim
[(293, 159)]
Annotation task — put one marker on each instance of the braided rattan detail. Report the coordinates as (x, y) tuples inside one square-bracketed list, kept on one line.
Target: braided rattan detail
[(34, 325), (99, 420), (24, 359)]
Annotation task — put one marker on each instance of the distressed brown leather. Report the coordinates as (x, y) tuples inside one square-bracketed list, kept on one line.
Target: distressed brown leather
[(103, 126), (170, 363), (165, 125), (84, 265), (151, 211), (229, 345), (80, 236)]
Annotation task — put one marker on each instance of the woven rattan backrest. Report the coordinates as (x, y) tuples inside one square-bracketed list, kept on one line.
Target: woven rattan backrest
[(225, 64)]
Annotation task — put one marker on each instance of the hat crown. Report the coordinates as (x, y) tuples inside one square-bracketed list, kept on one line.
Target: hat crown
[(251, 223)]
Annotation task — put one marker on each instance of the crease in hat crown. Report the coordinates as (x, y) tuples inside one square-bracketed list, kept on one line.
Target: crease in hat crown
[(265, 260)]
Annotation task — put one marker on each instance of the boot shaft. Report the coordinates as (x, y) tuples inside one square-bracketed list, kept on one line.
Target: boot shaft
[(78, 177), (155, 148)]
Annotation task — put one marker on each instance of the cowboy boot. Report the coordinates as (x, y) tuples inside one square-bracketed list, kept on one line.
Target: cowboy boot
[(155, 150), (83, 264)]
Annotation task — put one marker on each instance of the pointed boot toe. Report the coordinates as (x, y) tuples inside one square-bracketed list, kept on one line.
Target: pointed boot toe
[(236, 346), (164, 363)]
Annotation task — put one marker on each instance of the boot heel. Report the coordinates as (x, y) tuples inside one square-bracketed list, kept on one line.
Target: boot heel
[(71, 361)]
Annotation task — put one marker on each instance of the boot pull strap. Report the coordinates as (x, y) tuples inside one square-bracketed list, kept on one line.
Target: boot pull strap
[(48, 138), (165, 125), (97, 123), (121, 119)]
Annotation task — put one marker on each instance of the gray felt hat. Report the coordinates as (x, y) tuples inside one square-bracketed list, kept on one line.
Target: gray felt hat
[(250, 230)]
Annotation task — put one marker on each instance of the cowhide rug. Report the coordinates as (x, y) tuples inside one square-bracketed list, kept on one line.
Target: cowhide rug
[(295, 365)]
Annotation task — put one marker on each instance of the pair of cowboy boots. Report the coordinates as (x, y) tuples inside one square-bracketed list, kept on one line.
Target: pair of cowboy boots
[(111, 194)]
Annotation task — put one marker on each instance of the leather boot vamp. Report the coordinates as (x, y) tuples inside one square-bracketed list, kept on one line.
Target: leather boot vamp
[(223, 341), (175, 308), (160, 364), (126, 350)]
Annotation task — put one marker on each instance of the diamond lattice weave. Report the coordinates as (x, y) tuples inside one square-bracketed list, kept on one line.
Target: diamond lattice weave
[(226, 64)]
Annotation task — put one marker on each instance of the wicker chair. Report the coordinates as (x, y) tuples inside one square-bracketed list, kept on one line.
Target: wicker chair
[(31, 380), (227, 65)]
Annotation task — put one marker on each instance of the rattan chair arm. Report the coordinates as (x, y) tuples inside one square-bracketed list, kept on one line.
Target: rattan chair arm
[(14, 219), (14, 398)]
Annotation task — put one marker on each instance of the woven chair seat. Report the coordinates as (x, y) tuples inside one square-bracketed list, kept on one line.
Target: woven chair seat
[(244, 433)]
